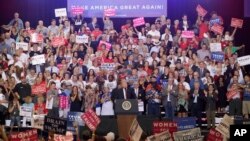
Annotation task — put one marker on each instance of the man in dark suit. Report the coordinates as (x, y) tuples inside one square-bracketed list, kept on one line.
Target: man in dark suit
[(202, 70), (124, 92), (140, 95), (196, 103), (93, 24)]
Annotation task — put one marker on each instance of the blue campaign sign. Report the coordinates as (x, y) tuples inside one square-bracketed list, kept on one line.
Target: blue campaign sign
[(185, 123), (74, 119), (123, 8), (217, 56)]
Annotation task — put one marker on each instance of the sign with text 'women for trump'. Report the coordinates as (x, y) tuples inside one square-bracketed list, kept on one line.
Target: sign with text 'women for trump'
[(91, 119)]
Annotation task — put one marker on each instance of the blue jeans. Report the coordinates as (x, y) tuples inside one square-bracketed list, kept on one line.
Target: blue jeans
[(15, 119), (169, 111), (154, 109)]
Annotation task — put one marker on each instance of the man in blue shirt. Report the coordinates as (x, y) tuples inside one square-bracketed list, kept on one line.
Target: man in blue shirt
[(11, 23)]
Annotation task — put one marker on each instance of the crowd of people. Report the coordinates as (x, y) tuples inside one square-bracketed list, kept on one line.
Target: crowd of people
[(152, 63)]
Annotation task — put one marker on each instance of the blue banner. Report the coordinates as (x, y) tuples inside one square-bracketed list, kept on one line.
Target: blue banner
[(74, 119), (185, 123), (123, 8), (217, 56)]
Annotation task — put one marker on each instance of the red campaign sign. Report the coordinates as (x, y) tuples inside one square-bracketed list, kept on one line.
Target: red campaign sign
[(214, 135), (201, 11), (187, 34), (31, 31), (236, 22), (108, 45), (39, 89), (109, 12), (231, 94), (29, 135), (217, 29), (36, 38), (91, 119), (161, 126), (77, 10), (138, 21), (58, 41)]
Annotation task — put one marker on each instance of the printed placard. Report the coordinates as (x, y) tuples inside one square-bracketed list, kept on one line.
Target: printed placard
[(91, 119), (185, 123), (217, 29), (135, 131), (49, 103), (161, 126), (238, 23), (36, 38), (138, 21), (26, 111), (108, 66), (215, 47), (60, 12), (68, 137), (201, 11), (244, 60), (190, 134), (82, 39), (224, 125), (22, 45), (108, 45), (57, 41), (231, 94), (29, 135), (217, 56), (56, 125), (38, 121), (187, 34), (74, 120), (214, 135), (63, 102), (109, 12), (164, 136), (38, 59), (38, 89), (77, 10)]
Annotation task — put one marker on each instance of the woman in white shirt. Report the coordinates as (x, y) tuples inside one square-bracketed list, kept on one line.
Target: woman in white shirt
[(107, 104), (110, 83)]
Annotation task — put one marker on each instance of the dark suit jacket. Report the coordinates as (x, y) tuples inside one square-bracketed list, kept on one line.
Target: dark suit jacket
[(200, 99), (118, 94), (187, 79), (141, 94), (202, 74), (91, 26)]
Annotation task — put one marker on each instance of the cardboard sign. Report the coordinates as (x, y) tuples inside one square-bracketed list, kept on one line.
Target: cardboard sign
[(36, 38), (77, 10), (74, 120), (244, 60), (38, 89), (49, 103), (23, 45), (82, 39), (108, 45), (109, 12), (224, 125), (218, 29), (26, 111), (38, 121), (38, 59), (215, 21), (56, 125), (161, 126), (187, 34), (190, 134), (135, 131), (201, 11), (217, 56), (138, 21), (215, 47), (57, 41), (108, 66), (68, 137), (63, 102), (214, 135), (238, 23), (29, 135), (231, 94), (185, 123), (60, 12), (91, 119), (164, 136)]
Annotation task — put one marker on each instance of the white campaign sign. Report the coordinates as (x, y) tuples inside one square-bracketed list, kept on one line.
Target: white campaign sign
[(26, 111), (244, 60), (215, 47), (22, 45), (60, 12), (82, 39), (38, 59)]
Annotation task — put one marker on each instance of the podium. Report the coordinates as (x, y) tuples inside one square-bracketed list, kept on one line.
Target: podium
[(126, 111)]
